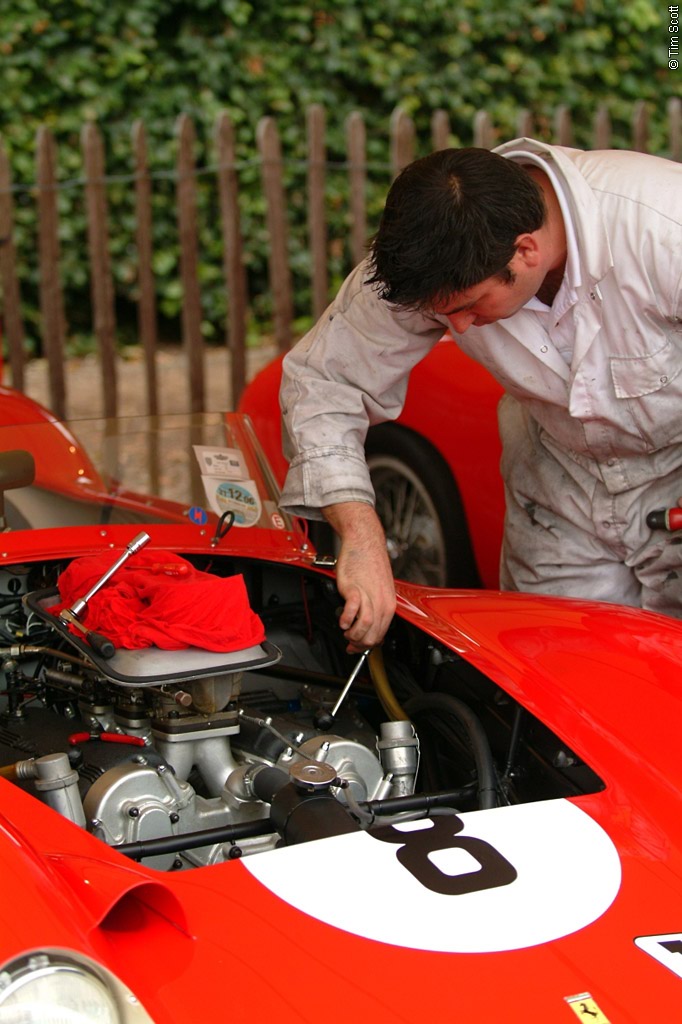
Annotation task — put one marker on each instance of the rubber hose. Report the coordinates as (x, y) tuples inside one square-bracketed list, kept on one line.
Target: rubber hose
[(267, 782), (485, 766), (382, 687)]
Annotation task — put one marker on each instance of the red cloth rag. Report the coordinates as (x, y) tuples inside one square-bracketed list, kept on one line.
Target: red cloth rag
[(159, 599)]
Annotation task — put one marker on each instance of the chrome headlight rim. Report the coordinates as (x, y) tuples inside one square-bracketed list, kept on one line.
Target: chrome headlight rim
[(40, 966)]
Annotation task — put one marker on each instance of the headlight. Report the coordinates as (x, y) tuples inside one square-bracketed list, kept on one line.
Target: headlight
[(58, 988)]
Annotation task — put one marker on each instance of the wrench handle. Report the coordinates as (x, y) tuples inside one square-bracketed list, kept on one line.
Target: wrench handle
[(79, 606), (101, 644)]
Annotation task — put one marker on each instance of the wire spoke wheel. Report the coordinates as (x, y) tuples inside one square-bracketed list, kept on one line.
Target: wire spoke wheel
[(420, 509), (416, 545)]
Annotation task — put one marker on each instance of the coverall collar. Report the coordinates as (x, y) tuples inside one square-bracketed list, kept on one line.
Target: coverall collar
[(596, 256)]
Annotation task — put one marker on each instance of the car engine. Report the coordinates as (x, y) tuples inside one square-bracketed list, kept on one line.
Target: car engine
[(300, 741)]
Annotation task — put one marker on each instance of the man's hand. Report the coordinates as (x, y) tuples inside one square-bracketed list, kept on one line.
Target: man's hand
[(363, 574)]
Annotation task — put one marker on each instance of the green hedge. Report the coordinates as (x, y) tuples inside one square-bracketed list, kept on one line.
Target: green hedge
[(114, 62)]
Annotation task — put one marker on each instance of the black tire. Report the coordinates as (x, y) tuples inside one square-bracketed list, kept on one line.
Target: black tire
[(418, 503)]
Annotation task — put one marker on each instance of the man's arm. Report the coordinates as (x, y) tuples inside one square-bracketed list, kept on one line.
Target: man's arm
[(348, 372), (363, 574)]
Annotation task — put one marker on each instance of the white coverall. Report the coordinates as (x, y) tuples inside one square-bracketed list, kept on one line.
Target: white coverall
[(591, 422)]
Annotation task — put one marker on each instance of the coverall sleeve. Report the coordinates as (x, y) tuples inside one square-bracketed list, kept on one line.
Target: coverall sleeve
[(349, 372)]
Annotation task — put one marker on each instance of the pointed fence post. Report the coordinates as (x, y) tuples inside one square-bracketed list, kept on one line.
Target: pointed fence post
[(189, 261), (563, 126), (402, 140), (675, 127), (440, 130), (640, 127), (356, 147), (484, 133), (101, 283), (53, 324), (146, 301), (233, 259), (524, 125), (602, 127), (317, 222), (13, 322), (267, 138)]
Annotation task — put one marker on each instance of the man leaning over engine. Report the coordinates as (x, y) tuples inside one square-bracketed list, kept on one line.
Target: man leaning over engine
[(560, 271)]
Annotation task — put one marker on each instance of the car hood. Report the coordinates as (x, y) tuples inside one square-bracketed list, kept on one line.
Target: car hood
[(359, 928), (603, 674)]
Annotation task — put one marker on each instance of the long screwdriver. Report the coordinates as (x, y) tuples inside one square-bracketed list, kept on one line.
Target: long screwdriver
[(325, 719)]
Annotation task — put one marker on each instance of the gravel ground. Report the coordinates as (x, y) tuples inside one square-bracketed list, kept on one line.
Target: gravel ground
[(84, 391)]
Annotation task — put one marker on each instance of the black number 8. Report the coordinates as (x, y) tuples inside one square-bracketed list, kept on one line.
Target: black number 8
[(416, 846)]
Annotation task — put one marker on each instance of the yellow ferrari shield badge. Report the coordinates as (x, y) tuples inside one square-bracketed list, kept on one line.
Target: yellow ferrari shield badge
[(586, 1009)]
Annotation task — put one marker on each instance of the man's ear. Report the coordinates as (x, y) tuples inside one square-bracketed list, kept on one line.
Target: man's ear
[(527, 250)]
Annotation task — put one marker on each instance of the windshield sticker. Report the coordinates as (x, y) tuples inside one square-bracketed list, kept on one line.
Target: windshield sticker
[(585, 1008), (198, 515), (229, 496), (226, 463), (667, 949), (477, 882)]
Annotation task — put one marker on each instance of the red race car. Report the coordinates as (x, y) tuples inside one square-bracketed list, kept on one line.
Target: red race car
[(435, 470), (209, 810)]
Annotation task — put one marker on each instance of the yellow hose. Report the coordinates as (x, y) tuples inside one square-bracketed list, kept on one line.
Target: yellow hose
[(9, 771), (389, 701)]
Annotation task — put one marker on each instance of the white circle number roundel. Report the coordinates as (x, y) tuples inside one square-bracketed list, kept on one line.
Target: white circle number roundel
[(478, 882)]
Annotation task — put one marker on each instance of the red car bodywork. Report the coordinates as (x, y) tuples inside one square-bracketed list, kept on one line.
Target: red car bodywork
[(218, 942), (451, 403), (61, 461), (193, 946)]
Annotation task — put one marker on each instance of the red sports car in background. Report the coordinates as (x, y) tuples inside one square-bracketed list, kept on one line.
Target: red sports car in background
[(210, 811), (435, 470)]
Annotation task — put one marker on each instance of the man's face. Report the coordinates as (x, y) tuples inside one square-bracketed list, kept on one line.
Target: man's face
[(493, 299)]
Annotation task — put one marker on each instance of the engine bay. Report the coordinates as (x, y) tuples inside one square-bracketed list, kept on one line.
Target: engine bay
[(184, 770)]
